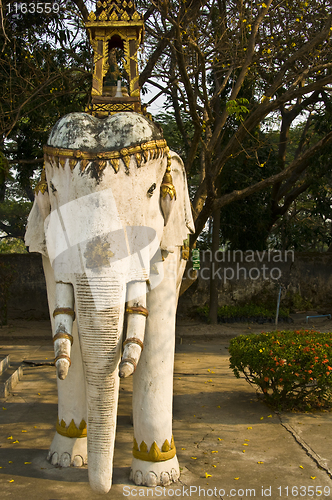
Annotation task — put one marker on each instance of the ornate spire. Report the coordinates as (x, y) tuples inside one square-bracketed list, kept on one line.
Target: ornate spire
[(116, 31)]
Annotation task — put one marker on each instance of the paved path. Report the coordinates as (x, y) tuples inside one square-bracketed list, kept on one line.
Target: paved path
[(229, 444)]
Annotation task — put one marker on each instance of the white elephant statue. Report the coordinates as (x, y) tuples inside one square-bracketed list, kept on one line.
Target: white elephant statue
[(110, 216)]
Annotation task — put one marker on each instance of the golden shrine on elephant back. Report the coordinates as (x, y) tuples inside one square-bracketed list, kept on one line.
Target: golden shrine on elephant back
[(116, 32)]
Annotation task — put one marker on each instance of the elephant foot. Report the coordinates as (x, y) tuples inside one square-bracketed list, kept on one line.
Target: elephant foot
[(154, 473), (66, 452)]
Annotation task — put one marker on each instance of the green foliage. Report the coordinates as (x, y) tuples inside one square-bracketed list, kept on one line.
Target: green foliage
[(238, 107), (14, 216), (297, 302), (12, 245), (291, 368), (247, 312)]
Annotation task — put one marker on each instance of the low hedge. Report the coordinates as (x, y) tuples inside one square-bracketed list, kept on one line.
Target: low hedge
[(293, 369), (248, 312)]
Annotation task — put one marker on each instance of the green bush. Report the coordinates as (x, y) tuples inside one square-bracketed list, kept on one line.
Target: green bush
[(291, 368), (249, 312)]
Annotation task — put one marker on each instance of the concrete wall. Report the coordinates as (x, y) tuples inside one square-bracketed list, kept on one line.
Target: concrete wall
[(27, 291), (241, 278), (244, 277)]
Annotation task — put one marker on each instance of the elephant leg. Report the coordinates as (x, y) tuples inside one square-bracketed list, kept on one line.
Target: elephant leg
[(154, 455), (69, 445)]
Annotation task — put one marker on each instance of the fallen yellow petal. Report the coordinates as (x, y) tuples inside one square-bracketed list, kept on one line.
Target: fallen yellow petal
[(207, 475), (236, 478), (249, 428), (15, 441), (210, 380), (243, 451), (218, 406), (182, 448), (38, 393), (214, 465), (245, 444), (247, 439), (10, 437), (11, 480), (24, 430), (209, 370), (220, 439), (10, 462), (301, 466), (194, 458), (262, 418), (26, 463), (179, 378), (214, 452), (312, 477), (260, 462), (4, 408), (269, 416)]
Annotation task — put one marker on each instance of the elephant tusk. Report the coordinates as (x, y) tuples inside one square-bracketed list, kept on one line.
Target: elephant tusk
[(137, 314), (63, 322)]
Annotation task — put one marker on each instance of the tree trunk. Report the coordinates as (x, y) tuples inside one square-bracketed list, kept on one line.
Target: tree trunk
[(213, 313)]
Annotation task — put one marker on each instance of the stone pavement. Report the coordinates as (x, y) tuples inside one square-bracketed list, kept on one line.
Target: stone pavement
[(229, 443)]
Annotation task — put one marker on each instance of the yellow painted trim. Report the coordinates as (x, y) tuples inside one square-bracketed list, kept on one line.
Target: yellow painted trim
[(152, 149), (167, 451), (71, 431)]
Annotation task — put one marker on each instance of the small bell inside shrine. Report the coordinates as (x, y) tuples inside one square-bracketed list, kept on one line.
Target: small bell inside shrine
[(116, 32)]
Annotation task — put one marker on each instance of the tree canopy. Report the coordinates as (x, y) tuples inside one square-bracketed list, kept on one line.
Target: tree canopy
[(248, 103)]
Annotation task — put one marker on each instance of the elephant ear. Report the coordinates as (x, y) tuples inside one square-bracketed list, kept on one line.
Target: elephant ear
[(35, 234), (180, 222)]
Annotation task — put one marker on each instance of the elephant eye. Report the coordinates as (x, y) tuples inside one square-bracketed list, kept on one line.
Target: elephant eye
[(151, 189), (52, 187)]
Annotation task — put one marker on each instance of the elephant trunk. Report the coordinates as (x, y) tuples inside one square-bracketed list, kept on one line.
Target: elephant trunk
[(100, 309), (137, 314), (63, 324)]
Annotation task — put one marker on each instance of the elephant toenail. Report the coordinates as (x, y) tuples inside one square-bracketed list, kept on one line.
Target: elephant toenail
[(78, 461), (55, 459), (175, 475), (151, 479), (65, 460), (165, 479), (138, 478)]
